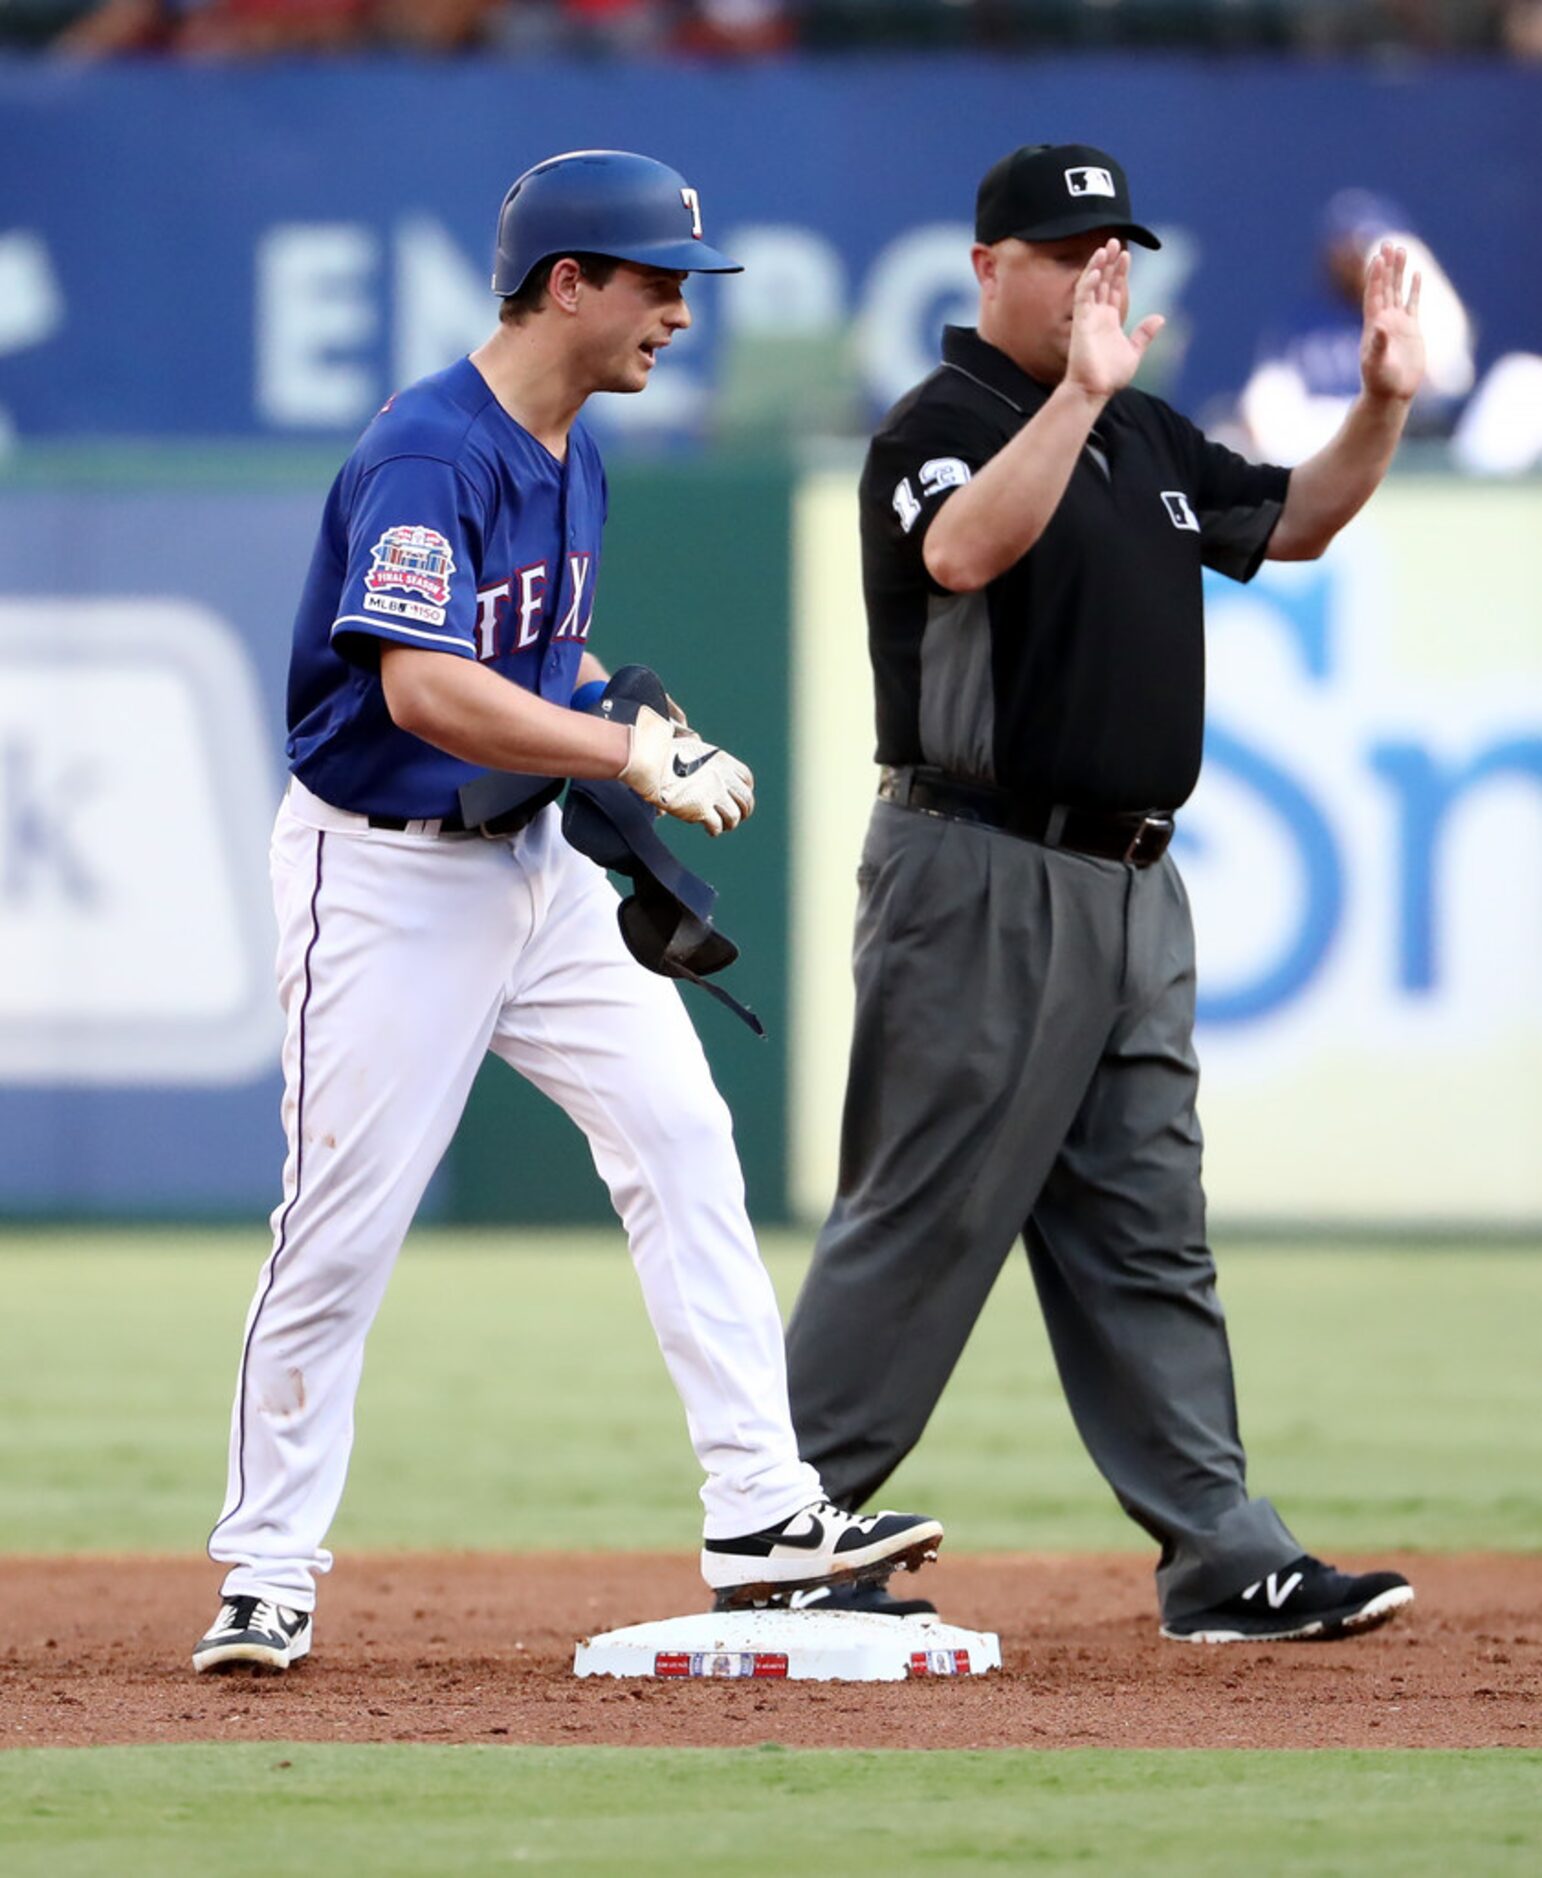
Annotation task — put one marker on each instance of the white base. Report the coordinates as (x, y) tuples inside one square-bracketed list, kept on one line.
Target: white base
[(796, 1646)]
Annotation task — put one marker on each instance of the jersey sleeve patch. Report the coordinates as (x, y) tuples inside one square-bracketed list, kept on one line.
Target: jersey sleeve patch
[(935, 475), (943, 472), (414, 560), (397, 607)]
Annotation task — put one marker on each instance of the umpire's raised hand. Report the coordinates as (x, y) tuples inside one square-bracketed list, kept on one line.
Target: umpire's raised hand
[(1391, 344), (1103, 357)]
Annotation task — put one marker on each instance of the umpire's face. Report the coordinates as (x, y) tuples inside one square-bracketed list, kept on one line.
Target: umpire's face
[(1027, 293)]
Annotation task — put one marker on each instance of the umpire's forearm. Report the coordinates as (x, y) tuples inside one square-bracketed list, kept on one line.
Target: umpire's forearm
[(1330, 488), (997, 516)]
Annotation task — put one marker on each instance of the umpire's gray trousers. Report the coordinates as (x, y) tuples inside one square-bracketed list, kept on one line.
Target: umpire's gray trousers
[(1023, 1062)]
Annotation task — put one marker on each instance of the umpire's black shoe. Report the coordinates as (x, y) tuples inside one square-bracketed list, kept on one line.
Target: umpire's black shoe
[(254, 1633), (1305, 1599), (874, 1599)]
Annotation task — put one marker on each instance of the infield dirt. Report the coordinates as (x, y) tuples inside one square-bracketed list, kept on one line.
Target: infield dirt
[(479, 1647)]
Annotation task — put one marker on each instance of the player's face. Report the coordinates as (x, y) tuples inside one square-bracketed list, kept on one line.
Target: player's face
[(626, 323), (1027, 292)]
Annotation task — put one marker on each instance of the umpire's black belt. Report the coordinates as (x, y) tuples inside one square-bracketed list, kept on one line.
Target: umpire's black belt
[(1138, 836)]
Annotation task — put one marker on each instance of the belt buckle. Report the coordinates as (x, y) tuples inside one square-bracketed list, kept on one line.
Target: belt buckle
[(504, 827), (1149, 824)]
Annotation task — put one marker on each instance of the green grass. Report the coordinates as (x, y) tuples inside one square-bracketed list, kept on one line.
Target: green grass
[(1388, 1398), (327, 1810)]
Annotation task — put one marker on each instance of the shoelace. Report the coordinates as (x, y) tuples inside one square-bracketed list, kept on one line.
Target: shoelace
[(249, 1614), (863, 1521)]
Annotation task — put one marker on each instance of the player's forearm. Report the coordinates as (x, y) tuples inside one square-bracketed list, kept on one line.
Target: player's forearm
[(997, 516), (471, 713), (1330, 488)]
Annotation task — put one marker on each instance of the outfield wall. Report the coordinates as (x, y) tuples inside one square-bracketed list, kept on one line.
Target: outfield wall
[(144, 636), (267, 251), (257, 255), (1363, 852)]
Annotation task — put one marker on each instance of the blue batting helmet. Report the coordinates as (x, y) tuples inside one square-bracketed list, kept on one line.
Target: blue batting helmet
[(602, 202)]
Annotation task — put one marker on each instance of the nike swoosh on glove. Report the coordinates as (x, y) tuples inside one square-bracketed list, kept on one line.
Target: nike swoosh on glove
[(692, 780)]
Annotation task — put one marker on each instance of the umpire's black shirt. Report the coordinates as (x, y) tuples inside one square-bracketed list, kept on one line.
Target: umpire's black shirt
[(1078, 675)]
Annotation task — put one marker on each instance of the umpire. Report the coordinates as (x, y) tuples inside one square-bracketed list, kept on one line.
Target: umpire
[(1033, 536)]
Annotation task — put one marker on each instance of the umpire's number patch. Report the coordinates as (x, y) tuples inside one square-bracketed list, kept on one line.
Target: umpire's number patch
[(943, 472), (936, 474)]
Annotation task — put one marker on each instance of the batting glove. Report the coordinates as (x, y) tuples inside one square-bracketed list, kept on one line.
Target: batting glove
[(686, 777)]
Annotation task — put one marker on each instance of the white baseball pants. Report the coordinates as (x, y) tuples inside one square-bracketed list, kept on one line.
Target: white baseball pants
[(403, 958)]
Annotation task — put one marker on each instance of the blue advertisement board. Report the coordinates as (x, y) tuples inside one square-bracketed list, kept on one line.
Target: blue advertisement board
[(1360, 855), (143, 644), (268, 253), (263, 254)]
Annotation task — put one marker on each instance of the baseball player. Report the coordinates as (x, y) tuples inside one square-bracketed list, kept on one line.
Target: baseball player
[(443, 631), (1033, 536)]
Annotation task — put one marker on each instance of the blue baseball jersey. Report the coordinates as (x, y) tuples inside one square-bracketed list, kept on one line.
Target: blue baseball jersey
[(452, 529)]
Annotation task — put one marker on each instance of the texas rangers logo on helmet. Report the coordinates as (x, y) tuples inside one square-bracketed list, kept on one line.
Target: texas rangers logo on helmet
[(415, 559)]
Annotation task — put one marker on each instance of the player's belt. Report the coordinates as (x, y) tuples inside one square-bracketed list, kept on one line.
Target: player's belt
[(1138, 836), (508, 823)]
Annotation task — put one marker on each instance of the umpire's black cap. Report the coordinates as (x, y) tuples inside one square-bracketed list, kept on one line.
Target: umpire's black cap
[(1046, 191)]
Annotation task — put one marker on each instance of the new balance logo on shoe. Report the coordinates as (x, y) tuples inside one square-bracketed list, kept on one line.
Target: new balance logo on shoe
[(1272, 1588), (806, 1600)]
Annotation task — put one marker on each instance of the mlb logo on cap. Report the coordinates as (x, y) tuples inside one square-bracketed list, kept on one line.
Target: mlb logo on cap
[(1045, 192), (1090, 182)]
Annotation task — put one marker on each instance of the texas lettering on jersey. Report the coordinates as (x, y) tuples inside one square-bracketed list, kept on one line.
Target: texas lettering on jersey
[(511, 613), (450, 529)]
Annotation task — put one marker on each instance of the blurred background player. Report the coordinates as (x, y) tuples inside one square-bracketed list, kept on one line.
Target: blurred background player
[(1308, 370)]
